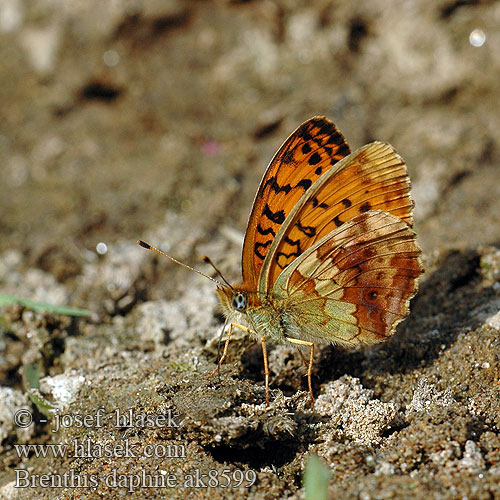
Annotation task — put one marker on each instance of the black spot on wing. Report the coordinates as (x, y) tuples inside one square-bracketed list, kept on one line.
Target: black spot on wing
[(271, 182), (276, 217), (288, 157), (309, 231), (258, 246), (281, 256), (318, 171), (337, 221), (294, 243), (314, 159), (335, 138), (305, 184), (316, 203), (265, 232), (306, 148), (346, 202), (328, 129), (365, 207), (343, 150), (358, 268), (303, 132)]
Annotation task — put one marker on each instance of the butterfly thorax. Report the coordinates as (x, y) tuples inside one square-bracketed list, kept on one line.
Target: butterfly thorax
[(264, 315)]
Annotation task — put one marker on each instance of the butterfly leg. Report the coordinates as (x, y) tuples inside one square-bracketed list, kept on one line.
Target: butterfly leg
[(309, 365), (306, 363), (226, 345), (266, 368)]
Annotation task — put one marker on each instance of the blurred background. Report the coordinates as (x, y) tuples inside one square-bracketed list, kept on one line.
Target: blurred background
[(156, 119)]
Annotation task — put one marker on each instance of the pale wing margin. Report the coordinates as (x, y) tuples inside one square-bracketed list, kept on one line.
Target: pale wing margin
[(354, 285)]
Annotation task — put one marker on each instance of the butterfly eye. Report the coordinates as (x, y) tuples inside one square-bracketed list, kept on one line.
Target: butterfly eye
[(239, 301)]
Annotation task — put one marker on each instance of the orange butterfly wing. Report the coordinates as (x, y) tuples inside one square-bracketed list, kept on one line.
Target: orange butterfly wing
[(308, 153), (353, 286), (372, 178)]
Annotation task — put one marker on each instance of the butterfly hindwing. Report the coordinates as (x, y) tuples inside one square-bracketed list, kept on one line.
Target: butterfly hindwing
[(308, 153), (374, 177), (353, 286)]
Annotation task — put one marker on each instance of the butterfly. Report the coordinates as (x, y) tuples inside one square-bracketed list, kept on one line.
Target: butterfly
[(329, 255)]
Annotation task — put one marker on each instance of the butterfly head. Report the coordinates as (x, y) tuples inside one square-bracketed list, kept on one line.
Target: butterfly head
[(233, 300)]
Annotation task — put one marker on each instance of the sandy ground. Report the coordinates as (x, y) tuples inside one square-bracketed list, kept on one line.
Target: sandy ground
[(156, 120)]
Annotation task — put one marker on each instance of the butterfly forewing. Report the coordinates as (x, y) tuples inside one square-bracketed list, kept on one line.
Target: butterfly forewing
[(307, 154), (372, 178), (353, 286)]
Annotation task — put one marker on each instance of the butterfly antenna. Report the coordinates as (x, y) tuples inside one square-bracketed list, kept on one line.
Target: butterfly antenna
[(149, 247), (208, 261)]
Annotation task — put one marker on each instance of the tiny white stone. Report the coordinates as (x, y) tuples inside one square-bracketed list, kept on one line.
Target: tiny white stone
[(101, 248), (477, 38), (111, 58)]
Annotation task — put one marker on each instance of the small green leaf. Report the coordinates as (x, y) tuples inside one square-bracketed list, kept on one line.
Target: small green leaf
[(44, 406), (42, 307), (32, 373), (180, 366), (316, 479)]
